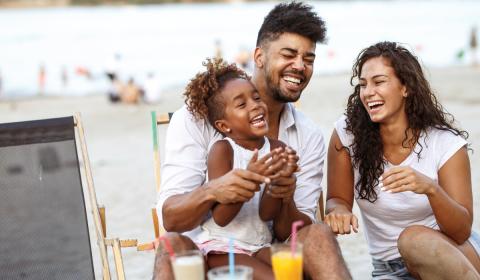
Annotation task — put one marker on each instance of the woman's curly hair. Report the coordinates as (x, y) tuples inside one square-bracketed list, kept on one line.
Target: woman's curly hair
[(201, 94), (421, 106)]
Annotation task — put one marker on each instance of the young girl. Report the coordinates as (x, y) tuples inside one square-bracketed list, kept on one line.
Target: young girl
[(225, 97)]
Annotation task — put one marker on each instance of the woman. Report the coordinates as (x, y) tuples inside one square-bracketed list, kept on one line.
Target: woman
[(398, 153)]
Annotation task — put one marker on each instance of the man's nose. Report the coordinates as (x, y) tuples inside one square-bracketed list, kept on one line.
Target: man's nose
[(299, 64)]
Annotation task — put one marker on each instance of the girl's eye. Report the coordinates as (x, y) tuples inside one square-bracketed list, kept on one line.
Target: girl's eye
[(241, 105), (379, 82), (362, 85)]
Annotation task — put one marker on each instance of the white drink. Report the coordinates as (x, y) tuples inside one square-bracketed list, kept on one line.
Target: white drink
[(223, 273), (188, 266)]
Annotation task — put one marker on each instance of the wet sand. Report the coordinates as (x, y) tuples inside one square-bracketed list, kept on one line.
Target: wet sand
[(119, 140)]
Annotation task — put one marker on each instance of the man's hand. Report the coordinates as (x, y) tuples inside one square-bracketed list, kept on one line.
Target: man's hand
[(237, 185), (283, 187), (284, 182)]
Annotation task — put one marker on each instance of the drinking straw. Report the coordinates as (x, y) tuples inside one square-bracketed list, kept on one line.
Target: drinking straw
[(168, 246), (295, 226), (231, 258)]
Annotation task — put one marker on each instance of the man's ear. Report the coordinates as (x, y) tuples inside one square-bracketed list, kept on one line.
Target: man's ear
[(223, 127), (259, 57)]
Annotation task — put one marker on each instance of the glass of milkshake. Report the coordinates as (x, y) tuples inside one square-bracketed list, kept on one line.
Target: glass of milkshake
[(188, 265)]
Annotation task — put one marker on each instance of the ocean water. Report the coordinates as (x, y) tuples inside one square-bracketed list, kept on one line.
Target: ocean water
[(172, 40)]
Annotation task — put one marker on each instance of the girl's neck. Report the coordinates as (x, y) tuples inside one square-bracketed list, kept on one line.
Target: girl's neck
[(249, 143)]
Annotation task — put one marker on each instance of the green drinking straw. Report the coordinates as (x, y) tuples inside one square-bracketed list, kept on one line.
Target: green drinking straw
[(295, 226)]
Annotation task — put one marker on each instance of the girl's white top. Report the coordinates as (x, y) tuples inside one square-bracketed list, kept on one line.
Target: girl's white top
[(391, 213), (248, 231)]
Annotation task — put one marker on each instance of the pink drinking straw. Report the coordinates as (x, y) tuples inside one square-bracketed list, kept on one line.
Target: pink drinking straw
[(168, 246), (295, 226)]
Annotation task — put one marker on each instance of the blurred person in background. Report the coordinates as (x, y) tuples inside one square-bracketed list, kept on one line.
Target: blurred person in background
[(473, 45)]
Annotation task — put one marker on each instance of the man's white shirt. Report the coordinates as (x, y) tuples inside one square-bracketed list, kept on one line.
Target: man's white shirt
[(188, 141)]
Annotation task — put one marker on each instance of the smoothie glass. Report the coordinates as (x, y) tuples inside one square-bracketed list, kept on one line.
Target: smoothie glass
[(287, 266)]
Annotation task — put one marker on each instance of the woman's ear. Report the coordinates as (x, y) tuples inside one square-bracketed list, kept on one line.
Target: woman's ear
[(258, 57), (223, 127), (404, 93)]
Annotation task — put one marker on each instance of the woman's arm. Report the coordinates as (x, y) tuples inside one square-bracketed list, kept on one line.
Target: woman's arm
[(450, 198), (340, 188), (452, 203)]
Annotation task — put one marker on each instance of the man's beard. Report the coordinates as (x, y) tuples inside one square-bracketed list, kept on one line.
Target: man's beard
[(275, 91)]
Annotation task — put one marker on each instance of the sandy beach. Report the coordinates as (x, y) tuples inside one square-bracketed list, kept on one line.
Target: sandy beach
[(120, 147)]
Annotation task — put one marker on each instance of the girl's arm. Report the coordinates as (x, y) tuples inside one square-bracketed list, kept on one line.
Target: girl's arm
[(340, 188), (220, 161)]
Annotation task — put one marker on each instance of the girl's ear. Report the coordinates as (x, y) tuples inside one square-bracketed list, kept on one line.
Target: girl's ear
[(258, 57), (223, 127)]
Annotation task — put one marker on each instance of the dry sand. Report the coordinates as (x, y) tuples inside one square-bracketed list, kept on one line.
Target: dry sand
[(120, 148)]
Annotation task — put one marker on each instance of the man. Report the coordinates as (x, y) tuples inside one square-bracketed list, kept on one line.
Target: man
[(284, 59)]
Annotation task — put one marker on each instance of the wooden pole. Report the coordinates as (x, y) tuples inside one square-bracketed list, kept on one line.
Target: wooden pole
[(117, 255), (93, 198)]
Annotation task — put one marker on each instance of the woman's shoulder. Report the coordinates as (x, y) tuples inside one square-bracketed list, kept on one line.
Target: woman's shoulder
[(442, 135), (340, 127)]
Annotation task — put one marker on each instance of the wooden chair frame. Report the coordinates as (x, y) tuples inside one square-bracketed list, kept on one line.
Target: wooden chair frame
[(98, 213)]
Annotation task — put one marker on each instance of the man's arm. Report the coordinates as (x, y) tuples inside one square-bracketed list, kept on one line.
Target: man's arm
[(186, 211), (269, 205), (301, 193)]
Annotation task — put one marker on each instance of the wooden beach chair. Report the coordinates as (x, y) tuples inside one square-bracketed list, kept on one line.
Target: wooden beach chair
[(43, 222), (163, 120), (157, 120)]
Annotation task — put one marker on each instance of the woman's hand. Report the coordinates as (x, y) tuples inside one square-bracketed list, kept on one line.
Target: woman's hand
[(341, 220), (405, 178)]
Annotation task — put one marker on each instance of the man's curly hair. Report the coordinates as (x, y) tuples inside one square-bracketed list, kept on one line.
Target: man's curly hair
[(421, 106), (201, 94), (294, 17)]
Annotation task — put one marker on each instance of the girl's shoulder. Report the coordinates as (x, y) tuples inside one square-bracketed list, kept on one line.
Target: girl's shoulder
[(221, 147)]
